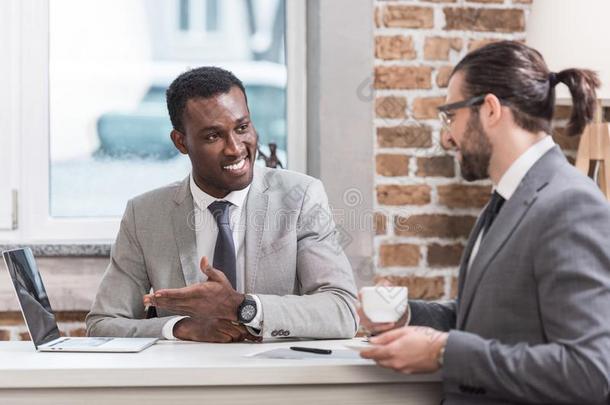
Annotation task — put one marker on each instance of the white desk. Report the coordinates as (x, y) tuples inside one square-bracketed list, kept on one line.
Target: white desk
[(200, 373)]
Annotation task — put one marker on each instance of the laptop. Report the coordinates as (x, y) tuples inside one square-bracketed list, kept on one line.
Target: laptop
[(40, 319)]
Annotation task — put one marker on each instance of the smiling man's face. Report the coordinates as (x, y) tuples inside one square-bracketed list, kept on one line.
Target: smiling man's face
[(220, 141)]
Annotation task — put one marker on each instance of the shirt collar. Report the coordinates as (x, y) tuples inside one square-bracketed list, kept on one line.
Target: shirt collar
[(516, 172), (203, 199)]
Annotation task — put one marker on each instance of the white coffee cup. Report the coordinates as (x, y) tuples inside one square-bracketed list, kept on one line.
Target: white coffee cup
[(384, 303)]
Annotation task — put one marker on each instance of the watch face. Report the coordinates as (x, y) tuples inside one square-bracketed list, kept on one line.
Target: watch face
[(248, 312)]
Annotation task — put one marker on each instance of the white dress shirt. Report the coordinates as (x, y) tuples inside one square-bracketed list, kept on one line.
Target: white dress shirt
[(206, 232), (514, 175)]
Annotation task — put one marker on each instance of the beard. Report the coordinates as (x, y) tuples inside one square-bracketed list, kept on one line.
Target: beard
[(476, 151)]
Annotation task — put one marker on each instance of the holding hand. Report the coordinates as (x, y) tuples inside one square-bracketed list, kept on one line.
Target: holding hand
[(375, 328), (410, 349)]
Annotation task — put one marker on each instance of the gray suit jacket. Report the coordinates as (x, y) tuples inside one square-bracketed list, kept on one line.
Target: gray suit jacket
[(293, 260), (532, 319)]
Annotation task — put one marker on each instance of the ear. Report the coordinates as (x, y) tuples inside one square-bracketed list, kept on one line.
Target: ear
[(491, 111), (178, 140)]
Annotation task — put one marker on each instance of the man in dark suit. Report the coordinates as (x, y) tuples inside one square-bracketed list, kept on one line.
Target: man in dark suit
[(531, 321)]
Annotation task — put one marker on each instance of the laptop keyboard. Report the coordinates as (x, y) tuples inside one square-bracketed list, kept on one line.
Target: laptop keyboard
[(89, 342)]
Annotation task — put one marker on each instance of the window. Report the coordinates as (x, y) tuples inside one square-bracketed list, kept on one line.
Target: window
[(8, 80), (94, 130)]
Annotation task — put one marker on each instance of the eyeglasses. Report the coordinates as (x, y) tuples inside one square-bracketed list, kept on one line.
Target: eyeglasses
[(443, 111)]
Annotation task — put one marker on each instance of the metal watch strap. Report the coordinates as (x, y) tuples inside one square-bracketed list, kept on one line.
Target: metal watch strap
[(441, 356)]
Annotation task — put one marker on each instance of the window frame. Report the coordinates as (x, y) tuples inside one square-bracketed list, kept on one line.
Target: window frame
[(29, 121), (9, 76)]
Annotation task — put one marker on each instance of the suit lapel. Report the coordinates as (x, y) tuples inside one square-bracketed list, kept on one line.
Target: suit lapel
[(183, 222), (467, 252), (506, 222), (256, 211)]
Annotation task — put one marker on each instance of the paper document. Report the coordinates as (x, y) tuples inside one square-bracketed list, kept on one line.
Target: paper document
[(286, 353)]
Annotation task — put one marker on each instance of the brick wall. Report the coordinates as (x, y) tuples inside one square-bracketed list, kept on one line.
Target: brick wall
[(424, 210), (71, 283), (70, 323)]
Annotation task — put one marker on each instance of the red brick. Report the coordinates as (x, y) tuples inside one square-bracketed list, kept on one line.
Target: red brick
[(425, 107), (403, 254), (401, 16), (391, 107), (438, 48), (79, 332), (436, 166), (484, 19), (380, 223), (5, 334), (420, 288), (378, 17), (444, 255), (403, 195), (443, 74), (463, 196), (434, 225), (404, 137), (394, 47), (71, 316), (392, 165), (478, 43), (403, 77), (11, 318)]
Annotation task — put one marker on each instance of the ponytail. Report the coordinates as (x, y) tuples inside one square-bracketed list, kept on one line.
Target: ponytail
[(582, 84), (518, 74)]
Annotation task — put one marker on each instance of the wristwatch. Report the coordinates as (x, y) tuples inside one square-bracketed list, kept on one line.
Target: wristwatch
[(247, 310)]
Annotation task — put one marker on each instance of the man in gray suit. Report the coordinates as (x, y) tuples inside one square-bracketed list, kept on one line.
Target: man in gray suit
[(531, 323), (234, 251)]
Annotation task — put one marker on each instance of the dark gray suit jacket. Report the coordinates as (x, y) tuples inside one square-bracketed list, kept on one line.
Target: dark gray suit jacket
[(532, 320)]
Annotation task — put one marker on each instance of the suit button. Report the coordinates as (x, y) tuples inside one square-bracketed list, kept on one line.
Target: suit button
[(287, 333), (274, 333)]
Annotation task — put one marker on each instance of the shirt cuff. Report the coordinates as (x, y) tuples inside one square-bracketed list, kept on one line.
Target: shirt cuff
[(168, 329), (255, 326)]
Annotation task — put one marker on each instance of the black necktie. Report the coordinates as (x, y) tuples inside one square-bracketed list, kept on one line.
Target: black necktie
[(224, 252), (492, 210)]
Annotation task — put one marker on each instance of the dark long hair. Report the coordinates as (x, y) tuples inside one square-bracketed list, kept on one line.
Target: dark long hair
[(518, 75)]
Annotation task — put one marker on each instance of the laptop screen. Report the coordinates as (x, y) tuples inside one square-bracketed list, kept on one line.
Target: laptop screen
[(32, 296)]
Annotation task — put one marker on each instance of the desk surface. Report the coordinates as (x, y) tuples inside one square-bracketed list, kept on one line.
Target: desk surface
[(187, 364)]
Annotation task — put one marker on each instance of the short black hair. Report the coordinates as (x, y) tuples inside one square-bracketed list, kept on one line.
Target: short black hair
[(201, 82)]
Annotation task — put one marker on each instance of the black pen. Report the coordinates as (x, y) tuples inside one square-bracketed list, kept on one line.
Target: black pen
[(310, 350)]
